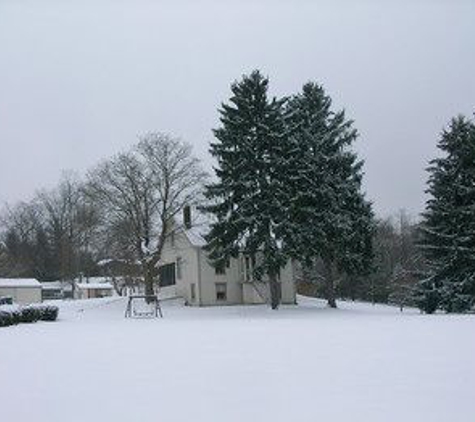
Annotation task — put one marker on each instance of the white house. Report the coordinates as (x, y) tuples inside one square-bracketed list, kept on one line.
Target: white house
[(22, 290), (185, 264)]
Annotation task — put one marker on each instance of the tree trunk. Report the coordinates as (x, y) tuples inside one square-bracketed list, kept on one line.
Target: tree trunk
[(275, 291), (330, 284), (353, 289), (150, 263), (148, 280)]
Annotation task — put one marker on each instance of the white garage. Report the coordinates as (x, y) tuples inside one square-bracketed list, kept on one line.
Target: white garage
[(22, 290)]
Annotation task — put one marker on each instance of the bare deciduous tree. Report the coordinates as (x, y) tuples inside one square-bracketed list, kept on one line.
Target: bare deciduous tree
[(69, 221), (20, 226), (141, 194)]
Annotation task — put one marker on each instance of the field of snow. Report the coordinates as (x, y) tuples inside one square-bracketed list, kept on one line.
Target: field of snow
[(304, 363)]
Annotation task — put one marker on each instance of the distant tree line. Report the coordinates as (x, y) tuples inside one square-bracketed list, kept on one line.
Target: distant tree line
[(52, 237), (396, 267)]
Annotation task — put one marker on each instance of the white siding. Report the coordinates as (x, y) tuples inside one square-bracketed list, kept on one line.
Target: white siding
[(181, 248), (209, 278), (22, 295), (196, 269)]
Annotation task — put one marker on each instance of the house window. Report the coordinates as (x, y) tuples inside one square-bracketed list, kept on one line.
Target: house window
[(219, 270), (172, 239), (221, 292), (179, 263), (192, 292), (167, 275)]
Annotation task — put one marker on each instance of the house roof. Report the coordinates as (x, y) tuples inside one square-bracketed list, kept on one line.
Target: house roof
[(195, 236), (94, 286), (56, 285), (51, 285), (200, 226), (19, 282)]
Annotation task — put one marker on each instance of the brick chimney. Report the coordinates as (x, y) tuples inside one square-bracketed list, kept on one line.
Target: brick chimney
[(187, 217)]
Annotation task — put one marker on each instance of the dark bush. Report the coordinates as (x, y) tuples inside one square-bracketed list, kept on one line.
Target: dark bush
[(5, 319), (9, 317), (48, 312), (6, 300), (30, 314), (15, 315)]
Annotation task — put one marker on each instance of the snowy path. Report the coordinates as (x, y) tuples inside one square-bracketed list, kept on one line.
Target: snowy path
[(305, 363)]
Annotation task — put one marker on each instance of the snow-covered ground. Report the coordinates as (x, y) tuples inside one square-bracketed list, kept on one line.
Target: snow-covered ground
[(305, 363)]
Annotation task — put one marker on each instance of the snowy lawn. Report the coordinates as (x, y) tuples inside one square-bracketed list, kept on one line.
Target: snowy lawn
[(305, 363)]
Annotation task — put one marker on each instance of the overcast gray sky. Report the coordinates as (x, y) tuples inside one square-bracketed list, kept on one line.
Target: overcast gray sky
[(80, 80)]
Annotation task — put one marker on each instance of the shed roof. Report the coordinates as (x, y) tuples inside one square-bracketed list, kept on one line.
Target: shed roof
[(51, 285), (94, 286), (19, 282)]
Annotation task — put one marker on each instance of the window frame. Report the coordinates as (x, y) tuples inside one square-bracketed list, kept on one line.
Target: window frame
[(221, 295)]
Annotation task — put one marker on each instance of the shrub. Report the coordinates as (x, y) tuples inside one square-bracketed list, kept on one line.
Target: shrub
[(10, 315), (30, 314), (6, 300), (5, 319), (15, 315), (48, 312)]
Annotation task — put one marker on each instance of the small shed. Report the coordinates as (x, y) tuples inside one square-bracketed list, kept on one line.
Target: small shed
[(52, 290), (22, 290), (93, 290)]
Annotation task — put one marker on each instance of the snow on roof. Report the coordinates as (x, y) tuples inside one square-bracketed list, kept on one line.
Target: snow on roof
[(51, 285), (103, 262), (96, 280), (200, 226), (19, 282), (195, 236), (107, 261), (94, 286), (63, 285)]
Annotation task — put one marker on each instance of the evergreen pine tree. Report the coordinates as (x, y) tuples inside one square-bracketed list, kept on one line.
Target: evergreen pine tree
[(328, 216), (245, 200), (448, 228)]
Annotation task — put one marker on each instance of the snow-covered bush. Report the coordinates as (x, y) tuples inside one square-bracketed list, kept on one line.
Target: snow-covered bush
[(48, 312), (5, 319), (11, 315), (6, 300), (30, 314)]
